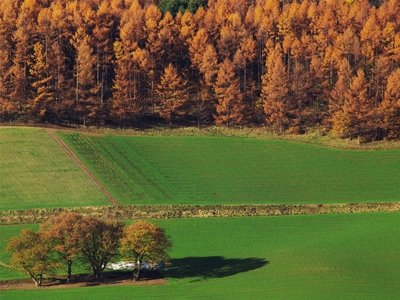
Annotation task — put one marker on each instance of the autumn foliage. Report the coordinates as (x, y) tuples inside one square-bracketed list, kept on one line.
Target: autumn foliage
[(144, 241), (172, 94), (31, 253), (70, 237), (291, 65), (63, 234)]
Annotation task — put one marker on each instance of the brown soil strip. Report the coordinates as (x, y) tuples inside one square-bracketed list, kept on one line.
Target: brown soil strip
[(8, 217), (54, 283), (82, 166)]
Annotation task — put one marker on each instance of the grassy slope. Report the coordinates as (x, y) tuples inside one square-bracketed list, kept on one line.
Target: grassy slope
[(310, 257), (217, 170), (36, 173)]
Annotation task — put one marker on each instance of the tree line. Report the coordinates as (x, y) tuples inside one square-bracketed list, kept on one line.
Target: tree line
[(290, 65), (70, 237)]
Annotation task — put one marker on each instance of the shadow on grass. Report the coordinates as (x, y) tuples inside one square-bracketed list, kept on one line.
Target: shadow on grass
[(202, 268)]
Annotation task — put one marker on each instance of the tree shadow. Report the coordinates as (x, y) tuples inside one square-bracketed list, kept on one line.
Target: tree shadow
[(203, 268), (107, 278)]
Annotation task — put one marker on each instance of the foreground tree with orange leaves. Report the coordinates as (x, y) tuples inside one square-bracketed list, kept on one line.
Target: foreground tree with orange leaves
[(144, 241), (63, 233), (69, 236), (31, 253), (98, 242)]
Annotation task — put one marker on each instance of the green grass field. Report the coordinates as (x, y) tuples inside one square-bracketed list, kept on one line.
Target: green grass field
[(36, 173), (288, 257), (218, 170), (291, 257)]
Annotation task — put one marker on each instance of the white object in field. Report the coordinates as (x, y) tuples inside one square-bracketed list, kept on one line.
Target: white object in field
[(124, 265)]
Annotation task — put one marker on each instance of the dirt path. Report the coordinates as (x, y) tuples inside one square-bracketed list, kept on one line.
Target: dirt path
[(82, 166), (27, 284)]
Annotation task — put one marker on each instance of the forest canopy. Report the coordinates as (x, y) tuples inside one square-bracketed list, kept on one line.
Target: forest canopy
[(289, 65)]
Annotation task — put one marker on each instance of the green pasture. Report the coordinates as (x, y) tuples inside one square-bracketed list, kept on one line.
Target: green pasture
[(36, 173), (229, 170), (289, 257)]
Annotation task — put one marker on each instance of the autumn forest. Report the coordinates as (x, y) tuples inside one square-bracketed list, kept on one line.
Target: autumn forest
[(289, 65)]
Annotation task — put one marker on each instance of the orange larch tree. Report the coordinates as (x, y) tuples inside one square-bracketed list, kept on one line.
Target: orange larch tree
[(131, 66), (8, 105), (337, 95), (129, 44), (209, 70), (357, 116), (230, 109), (103, 33), (154, 46), (43, 94), (86, 87), (23, 39), (173, 94), (390, 107), (275, 91)]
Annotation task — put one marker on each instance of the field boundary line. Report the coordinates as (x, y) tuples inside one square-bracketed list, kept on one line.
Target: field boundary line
[(314, 137), (82, 166), (4, 265), (8, 217)]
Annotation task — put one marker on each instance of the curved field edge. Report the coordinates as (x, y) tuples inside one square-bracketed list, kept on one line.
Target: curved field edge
[(296, 257), (223, 170), (195, 211)]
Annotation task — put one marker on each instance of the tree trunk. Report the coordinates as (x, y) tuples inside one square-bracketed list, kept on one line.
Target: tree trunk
[(69, 270), (198, 108), (34, 280), (77, 87), (39, 282), (153, 105), (95, 271), (136, 272)]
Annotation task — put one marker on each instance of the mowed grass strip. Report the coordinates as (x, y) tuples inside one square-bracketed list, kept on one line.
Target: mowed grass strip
[(36, 173), (290, 257), (223, 170)]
